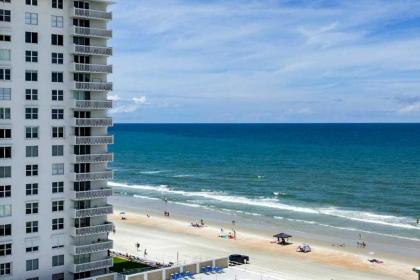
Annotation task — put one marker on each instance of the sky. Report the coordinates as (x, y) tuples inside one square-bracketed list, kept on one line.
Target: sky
[(265, 61)]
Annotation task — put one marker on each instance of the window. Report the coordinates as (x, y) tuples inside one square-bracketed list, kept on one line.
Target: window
[(31, 56), (31, 94), (5, 268), (5, 210), (57, 114), (57, 187), (57, 21), (31, 113), (57, 150), (5, 38), (58, 132), (5, 152), (58, 206), (5, 171), (32, 170), (57, 4), (31, 37), (57, 58), (31, 132), (4, 54), (32, 278), (5, 191), (31, 208), (58, 276), (31, 75), (58, 169), (5, 74), (32, 227), (5, 94), (5, 249), (4, 113), (5, 133), (57, 40), (31, 18), (31, 151), (32, 264), (57, 77), (57, 224), (32, 249), (4, 15), (6, 230), (58, 260), (32, 189), (32, 2), (57, 95)]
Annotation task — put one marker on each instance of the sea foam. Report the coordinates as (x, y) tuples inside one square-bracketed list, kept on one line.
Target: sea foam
[(359, 216)]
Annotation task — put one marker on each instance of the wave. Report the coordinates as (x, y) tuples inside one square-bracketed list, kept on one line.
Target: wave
[(152, 172), (359, 216), (145, 197), (183, 176)]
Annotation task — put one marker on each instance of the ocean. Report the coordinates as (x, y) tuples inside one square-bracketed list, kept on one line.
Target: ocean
[(352, 177)]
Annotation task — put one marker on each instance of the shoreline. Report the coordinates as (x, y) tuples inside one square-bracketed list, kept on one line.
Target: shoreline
[(157, 231)]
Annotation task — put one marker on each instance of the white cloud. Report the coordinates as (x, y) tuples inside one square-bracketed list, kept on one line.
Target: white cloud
[(412, 108), (128, 105)]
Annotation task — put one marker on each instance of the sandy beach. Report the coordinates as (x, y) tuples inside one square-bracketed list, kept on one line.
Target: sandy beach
[(174, 239)]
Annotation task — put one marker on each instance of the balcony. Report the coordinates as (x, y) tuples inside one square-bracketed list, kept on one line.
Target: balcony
[(92, 194), (93, 176), (93, 86), (93, 265), (92, 122), (92, 230), (93, 212), (94, 140), (92, 50), (92, 32), (93, 158), (91, 14), (92, 248), (93, 104), (92, 68)]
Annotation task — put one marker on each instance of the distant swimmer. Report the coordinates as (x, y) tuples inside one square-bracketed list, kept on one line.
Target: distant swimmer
[(418, 221)]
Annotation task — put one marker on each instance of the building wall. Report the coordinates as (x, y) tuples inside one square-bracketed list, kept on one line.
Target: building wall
[(45, 238)]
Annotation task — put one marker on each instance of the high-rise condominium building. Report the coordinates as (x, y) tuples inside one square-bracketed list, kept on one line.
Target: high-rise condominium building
[(53, 139)]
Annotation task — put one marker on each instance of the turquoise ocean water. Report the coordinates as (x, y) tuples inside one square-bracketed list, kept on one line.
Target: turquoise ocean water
[(361, 177)]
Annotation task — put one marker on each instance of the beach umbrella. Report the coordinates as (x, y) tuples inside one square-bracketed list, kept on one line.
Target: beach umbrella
[(282, 235)]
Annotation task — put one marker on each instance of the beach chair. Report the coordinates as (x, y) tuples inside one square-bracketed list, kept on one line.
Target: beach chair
[(217, 269), (189, 274)]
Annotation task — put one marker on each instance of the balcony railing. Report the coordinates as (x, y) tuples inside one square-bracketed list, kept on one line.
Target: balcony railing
[(93, 50), (93, 265), (92, 68), (93, 212), (92, 194), (93, 176), (92, 122), (92, 230), (94, 158), (93, 86), (94, 140), (93, 104), (92, 248), (91, 14), (92, 32)]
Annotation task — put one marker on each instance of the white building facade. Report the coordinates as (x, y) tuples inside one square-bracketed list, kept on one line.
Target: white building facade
[(54, 139)]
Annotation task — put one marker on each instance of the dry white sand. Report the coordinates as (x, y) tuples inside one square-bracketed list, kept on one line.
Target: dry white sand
[(168, 239)]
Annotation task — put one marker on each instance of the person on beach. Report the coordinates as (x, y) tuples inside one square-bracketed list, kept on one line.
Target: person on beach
[(147, 215), (145, 252), (138, 246)]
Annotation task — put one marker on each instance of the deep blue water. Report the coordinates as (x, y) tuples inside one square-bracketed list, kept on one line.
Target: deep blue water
[(361, 176)]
